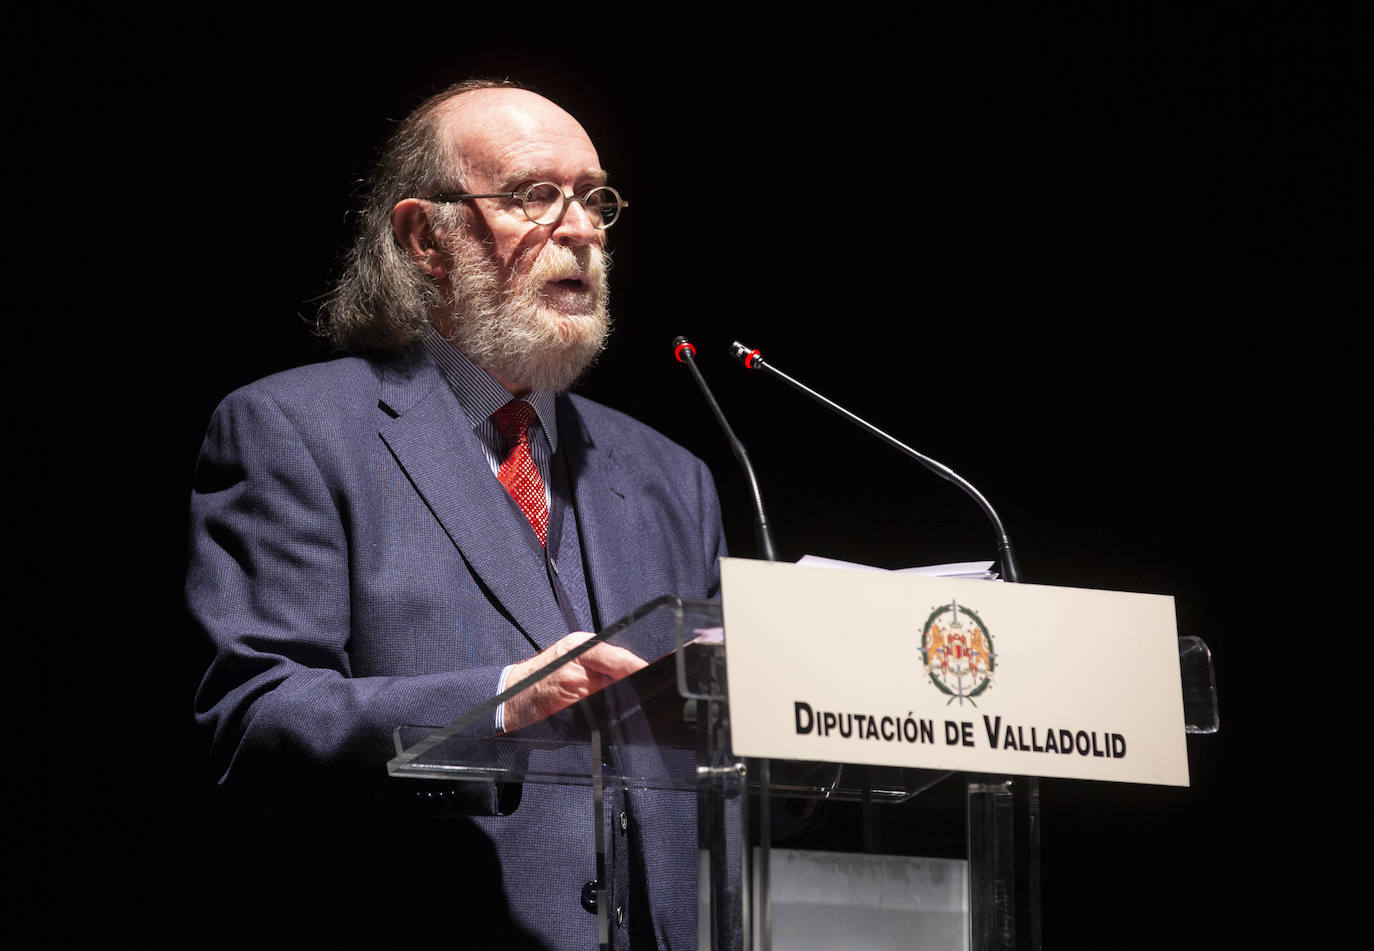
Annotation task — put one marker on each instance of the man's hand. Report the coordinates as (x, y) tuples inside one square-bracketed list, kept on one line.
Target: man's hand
[(599, 667)]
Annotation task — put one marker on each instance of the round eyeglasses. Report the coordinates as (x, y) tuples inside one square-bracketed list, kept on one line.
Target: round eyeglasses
[(544, 203)]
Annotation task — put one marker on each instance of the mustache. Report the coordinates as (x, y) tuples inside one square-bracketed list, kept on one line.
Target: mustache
[(557, 262)]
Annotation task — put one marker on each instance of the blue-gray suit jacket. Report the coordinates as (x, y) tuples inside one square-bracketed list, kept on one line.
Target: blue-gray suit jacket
[(356, 567)]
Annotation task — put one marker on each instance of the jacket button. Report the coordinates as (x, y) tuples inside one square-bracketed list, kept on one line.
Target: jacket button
[(624, 821), (589, 898)]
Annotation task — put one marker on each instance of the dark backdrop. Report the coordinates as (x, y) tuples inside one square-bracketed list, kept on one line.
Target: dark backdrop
[(1091, 258)]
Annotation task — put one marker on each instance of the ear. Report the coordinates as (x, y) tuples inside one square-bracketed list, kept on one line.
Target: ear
[(414, 231)]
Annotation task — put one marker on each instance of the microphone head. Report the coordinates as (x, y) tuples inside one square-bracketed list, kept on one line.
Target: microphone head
[(746, 355), (681, 346)]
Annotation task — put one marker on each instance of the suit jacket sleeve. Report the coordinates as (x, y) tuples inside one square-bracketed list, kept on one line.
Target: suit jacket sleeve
[(293, 726)]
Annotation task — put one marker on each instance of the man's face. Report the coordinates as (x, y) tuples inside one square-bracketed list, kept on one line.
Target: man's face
[(529, 301)]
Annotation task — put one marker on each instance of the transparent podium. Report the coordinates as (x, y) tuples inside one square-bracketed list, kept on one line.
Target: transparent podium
[(668, 727)]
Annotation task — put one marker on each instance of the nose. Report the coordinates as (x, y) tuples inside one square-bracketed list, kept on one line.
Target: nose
[(575, 228)]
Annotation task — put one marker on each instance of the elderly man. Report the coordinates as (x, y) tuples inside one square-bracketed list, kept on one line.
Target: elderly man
[(391, 537)]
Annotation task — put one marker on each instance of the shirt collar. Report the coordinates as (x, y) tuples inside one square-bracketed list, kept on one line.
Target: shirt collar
[(479, 393)]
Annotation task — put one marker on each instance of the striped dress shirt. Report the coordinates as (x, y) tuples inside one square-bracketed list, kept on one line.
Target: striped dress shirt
[(480, 396)]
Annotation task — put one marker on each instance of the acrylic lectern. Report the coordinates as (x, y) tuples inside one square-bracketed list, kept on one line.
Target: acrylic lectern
[(668, 727)]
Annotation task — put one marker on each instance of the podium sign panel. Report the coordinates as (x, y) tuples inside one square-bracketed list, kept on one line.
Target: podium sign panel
[(894, 669)]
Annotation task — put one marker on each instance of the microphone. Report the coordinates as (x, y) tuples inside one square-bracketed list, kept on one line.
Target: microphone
[(686, 353), (753, 360)]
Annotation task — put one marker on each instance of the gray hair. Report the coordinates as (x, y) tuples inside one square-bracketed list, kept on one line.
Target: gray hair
[(381, 300)]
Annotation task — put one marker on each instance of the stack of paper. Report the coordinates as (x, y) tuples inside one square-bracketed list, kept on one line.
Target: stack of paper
[(981, 570)]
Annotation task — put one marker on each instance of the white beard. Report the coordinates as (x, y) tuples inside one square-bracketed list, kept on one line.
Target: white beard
[(525, 335)]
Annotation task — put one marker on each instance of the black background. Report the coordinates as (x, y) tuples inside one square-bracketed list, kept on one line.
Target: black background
[(1094, 257)]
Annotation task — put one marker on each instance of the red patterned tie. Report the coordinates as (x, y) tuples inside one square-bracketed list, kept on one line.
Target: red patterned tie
[(518, 472)]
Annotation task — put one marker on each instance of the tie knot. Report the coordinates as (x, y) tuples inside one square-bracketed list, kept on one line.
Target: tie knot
[(513, 420)]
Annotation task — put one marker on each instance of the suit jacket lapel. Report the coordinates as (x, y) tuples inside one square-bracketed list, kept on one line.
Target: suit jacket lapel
[(434, 444), (604, 498)]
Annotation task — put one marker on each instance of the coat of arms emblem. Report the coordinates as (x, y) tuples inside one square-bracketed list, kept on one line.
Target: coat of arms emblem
[(956, 649)]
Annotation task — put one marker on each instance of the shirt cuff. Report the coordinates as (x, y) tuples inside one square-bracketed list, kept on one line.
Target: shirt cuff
[(501, 708)]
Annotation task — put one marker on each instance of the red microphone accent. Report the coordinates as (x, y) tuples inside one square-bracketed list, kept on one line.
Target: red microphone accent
[(677, 351), (749, 360)]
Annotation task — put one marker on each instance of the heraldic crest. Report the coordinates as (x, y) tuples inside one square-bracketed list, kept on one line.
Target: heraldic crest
[(956, 649)]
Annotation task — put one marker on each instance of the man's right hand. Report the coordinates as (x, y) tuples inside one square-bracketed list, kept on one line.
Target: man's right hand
[(599, 667)]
